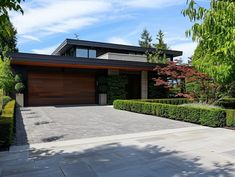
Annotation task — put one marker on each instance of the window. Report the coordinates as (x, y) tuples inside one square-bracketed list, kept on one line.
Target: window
[(82, 53), (85, 53), (92, 53)]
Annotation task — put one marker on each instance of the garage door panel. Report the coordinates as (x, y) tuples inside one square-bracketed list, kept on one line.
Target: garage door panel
[(59, 89)]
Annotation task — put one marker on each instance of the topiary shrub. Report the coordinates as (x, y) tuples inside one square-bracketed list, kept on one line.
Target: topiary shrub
[(19, 87)]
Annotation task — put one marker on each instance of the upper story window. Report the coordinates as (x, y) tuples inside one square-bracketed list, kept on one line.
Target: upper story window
[(85, 53), (82, 53), (92, 53)]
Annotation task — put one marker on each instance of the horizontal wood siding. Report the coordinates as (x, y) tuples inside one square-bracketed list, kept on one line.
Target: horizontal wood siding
[(60, 88)]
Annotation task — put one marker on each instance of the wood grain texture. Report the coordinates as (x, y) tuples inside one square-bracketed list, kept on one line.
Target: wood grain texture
[(60, 88)]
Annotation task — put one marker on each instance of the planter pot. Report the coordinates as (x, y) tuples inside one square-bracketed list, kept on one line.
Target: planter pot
[(102, 98), (20, 99)]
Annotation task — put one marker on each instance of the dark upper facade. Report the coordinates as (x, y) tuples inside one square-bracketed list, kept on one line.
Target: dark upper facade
[(91, 49)]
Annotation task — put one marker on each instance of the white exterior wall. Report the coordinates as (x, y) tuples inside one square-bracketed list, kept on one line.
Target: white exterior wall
[(124, 57)]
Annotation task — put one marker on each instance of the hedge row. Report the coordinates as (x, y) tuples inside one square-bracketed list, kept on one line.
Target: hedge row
[(7, 124), (228, 103), (174, 101), (230, 117), (213, 117)]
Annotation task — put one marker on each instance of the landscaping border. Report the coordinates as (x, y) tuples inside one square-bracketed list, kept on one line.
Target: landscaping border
[(7, 124), (213, 117)]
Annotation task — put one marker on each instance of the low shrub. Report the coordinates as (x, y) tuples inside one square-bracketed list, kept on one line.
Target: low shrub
[(213, 117), (230, 117), (7, 124), (228, 103), (174, 101), (5, 100)]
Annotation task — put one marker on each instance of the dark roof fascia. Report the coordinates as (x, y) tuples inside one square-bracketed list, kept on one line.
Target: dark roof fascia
[(25, 57), (72, 42)]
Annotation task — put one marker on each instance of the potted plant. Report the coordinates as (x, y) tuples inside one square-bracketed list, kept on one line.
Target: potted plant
[(19, 88)]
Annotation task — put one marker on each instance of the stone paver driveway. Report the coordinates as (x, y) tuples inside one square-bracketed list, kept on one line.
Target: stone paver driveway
[(47, 124)]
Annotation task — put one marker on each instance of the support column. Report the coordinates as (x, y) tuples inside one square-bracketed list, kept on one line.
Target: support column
[(144, 84)]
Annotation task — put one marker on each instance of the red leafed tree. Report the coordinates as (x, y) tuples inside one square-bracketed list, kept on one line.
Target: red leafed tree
[(185, 81)]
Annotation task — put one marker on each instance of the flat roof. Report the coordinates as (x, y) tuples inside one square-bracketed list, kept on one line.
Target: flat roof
[(27, 59), (68, 43)]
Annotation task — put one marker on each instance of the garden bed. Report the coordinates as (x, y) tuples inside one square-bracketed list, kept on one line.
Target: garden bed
[(213, 117), (7, 113)]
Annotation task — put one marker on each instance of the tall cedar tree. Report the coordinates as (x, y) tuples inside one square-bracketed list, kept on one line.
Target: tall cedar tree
[(159, 56), (146, 42)]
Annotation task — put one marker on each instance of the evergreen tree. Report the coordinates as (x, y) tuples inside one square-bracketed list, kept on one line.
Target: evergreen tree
[(159, 56), (160, 41), (146, 39)]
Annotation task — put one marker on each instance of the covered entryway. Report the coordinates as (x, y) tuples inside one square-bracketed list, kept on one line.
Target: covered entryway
[(47, 88)]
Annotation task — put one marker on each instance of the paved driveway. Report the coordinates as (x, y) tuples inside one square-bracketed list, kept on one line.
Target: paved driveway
[(46, 124)]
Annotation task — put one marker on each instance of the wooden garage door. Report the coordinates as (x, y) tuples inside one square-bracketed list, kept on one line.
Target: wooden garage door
[(60, 89)]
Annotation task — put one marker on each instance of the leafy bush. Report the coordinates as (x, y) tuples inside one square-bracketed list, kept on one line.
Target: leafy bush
[(116, 88), (228, 103), (7, 124), (230, 117), (5, 100), (213, 117)]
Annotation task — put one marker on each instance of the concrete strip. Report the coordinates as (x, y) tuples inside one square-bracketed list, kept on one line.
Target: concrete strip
[(105, 139)]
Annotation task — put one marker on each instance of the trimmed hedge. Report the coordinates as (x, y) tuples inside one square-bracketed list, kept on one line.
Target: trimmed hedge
[(7, 124), (228, 103), (230, 117), (213, 117), (174, 101)]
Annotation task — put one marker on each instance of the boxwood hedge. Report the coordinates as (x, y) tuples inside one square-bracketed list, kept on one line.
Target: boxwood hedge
[(213, 117), (7, 124)]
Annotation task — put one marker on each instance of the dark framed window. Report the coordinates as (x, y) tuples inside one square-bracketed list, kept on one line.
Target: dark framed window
[(82, 52), (92, 53)]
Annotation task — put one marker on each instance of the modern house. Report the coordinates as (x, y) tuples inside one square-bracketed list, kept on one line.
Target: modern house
[(77, 70)]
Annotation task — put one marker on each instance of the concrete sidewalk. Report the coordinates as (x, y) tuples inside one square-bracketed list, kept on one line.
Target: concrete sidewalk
[(191, 151)]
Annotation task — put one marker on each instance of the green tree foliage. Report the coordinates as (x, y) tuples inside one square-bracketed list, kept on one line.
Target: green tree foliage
[(8, 40), (160, 41), (154, 56), (146, 42), (7, 32), (146, 39), (7, 80), (214, 30), (158, 56)]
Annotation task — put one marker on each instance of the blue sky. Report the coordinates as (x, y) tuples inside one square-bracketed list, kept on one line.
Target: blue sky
[(45, 24)]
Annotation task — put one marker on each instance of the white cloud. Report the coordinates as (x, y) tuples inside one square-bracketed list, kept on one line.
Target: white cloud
[(187, 48), (45, 17), (47, 50), (118, 40), (151, 3), (29, 37)]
